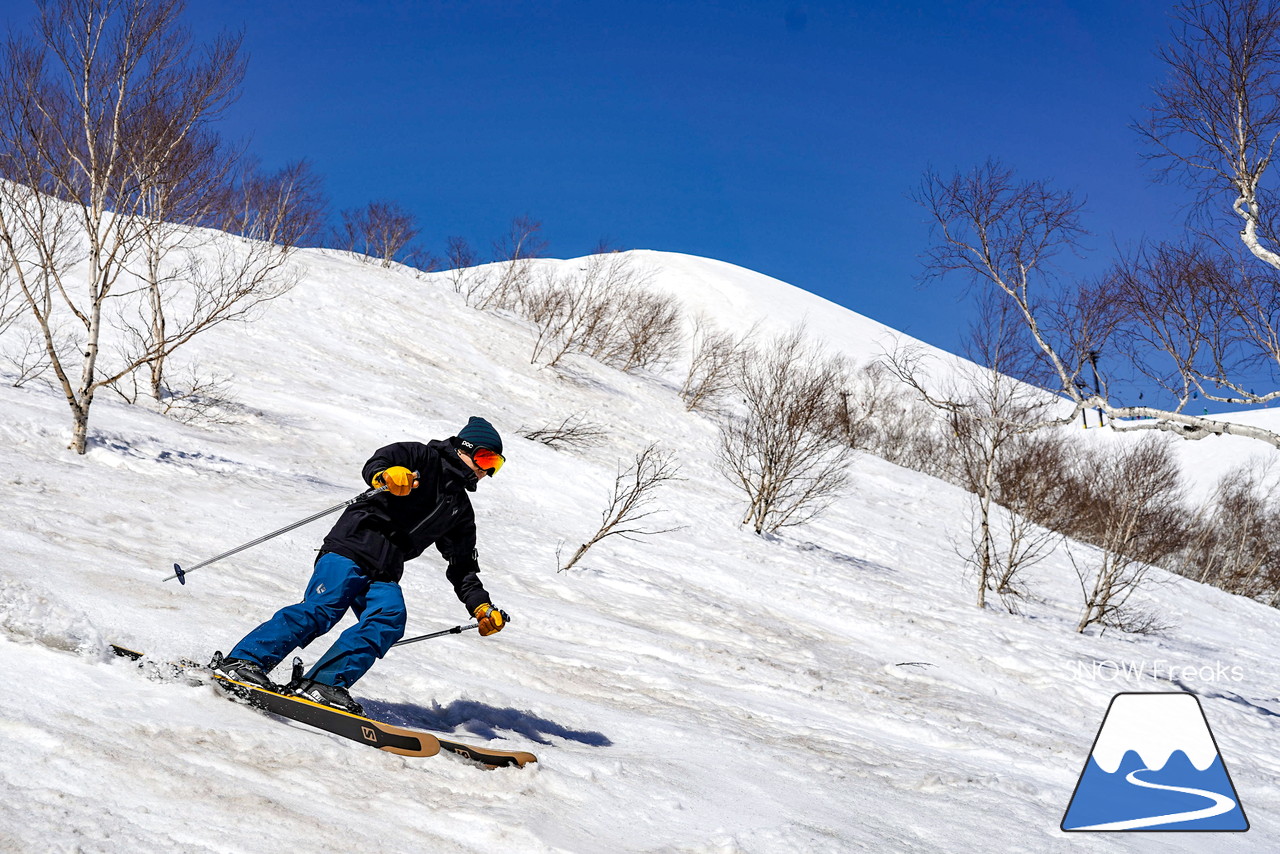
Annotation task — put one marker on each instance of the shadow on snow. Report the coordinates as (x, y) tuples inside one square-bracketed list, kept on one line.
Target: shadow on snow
[(481, 720)]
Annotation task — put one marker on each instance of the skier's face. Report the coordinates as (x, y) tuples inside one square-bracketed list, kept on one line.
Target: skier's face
[(481, 474)]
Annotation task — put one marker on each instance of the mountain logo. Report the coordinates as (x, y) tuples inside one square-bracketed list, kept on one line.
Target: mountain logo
[(1155, 766)]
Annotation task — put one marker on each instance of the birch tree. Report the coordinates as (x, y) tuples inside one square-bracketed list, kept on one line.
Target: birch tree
[(503, 285), (110, 166), (197, 279), (95, 103), (604, 310), (183, 194), (1216, 117), (1003, 233), (1201, 316), (1209, 306), (991, 420), (714, 352), (1137, 519)]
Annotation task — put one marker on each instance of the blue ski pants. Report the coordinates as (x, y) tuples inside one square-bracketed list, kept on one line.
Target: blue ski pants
[(336, 585)]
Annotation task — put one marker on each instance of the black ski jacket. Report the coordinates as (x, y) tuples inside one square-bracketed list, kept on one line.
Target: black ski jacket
[(380, 534)]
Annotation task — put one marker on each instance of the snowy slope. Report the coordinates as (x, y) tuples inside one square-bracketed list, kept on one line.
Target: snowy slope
[(737, 299), (832, 689)]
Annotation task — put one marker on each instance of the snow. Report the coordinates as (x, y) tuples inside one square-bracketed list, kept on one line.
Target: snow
[(830, 689)]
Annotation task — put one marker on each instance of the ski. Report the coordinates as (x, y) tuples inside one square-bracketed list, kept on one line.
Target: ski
[(365, 730), (125, 652)]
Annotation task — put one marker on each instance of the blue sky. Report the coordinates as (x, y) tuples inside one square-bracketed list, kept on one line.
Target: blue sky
[(782, 136)]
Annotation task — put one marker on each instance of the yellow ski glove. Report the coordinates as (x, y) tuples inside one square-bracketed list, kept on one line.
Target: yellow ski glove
[(398, 480), (491, 619)]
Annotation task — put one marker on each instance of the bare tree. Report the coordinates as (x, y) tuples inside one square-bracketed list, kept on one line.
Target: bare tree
[(603, 310), (1136, 519), (461, 262), (1003, 233), (200, 189), (23, 348), (632, 500), (986, 427), (1198, 321), (992, 229), (523, 240), (711, 365), (1173, 318), (555, 308), (1235, 547), (38, 247), (1216, 117), (574, 431), (188, 191), (651, 331), (1035, 507), (882, 415), (380, 230), (96, 107), (196, 279), (870, 399), (990, 415), (286, 208), (421, 259), (514, 252), (785, 451), (1209, 309)]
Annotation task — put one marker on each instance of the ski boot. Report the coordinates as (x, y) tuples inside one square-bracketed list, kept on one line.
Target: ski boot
[(334, 696), (242, 670)]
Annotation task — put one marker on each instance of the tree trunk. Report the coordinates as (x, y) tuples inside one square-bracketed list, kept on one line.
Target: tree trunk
[(79, 429), (82, 399), (157, 325)]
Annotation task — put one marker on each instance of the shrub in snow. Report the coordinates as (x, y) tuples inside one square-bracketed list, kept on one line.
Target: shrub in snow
[(632, 500), (786, 450)]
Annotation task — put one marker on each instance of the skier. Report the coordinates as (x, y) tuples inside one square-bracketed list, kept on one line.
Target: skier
[(362, 559)]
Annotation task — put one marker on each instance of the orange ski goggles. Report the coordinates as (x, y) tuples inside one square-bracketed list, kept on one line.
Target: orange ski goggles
[(490, 461)]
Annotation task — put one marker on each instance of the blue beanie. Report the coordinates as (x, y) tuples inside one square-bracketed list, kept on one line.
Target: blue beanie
[(480, 433)]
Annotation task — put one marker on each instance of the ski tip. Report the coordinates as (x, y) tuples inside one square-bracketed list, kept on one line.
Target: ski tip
[(520, 759), (125, 652), (180, 574)]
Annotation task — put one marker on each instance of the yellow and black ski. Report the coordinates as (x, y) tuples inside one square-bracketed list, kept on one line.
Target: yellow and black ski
[(377, 734), (367, 731)]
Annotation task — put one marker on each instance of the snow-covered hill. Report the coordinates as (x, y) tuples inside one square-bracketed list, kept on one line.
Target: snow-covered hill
[(832, 689)]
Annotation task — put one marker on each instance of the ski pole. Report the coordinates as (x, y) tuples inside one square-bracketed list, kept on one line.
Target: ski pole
[(456, 630), (181, 574)]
